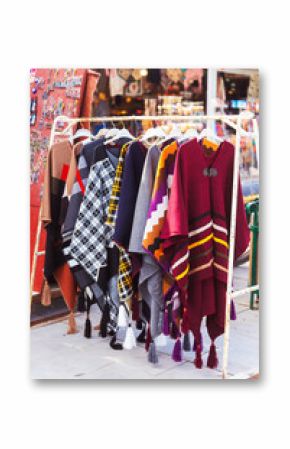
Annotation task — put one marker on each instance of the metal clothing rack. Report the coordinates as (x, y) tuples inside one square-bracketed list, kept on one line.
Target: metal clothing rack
[(233, 121)]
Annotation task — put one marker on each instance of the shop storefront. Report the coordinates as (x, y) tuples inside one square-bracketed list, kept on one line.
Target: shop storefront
[(152, 108)]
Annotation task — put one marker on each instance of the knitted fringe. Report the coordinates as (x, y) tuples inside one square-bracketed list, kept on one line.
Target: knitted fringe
[(176, 353), (233, 315), (88, 328), (122, 316), (130, 340)]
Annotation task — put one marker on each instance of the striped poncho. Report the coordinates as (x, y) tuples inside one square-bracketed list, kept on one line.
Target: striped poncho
[(196, 233)]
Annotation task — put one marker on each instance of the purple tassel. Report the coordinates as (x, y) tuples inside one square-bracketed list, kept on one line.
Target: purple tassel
[(233, 314), (176, 353), (196, 343), (165, 323)]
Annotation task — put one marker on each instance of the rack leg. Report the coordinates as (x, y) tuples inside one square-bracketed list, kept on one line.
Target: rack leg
[(231, 249), (255, 230)]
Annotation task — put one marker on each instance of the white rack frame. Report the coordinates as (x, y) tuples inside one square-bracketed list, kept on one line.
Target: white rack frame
[(235, 122)]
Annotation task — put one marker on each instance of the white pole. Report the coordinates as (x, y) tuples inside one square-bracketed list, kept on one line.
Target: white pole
[(232, 248), (198, 118), (211, 96), (256, 133)]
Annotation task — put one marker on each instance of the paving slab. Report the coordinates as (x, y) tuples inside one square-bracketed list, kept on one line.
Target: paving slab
[(56, 355)]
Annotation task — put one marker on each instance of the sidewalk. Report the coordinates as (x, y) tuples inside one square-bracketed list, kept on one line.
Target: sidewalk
[(55, 355)]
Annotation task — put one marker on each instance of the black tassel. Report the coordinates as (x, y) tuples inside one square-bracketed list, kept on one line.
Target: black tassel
[(115, 345), (88, 328), (81, 302), (88, 324), (186, 342), (104, 321)]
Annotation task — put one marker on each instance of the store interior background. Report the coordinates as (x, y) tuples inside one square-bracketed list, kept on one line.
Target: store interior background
[(122, 92)]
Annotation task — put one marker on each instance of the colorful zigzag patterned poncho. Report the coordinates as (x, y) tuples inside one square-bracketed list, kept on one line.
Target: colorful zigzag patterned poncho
[(159, 203)]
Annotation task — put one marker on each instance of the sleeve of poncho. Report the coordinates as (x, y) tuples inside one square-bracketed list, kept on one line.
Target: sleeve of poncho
[(242, 228), (176, 222)]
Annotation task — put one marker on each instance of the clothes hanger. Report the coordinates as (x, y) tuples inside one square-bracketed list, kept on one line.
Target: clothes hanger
[(122, 133), (210, 139), (82, 132), (112, 132), (151, 133), (101, 133), (189, 134), (207, 132), (175, 132)]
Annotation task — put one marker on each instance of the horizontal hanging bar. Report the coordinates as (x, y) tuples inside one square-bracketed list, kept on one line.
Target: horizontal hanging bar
[(228, 119), (245, 116)]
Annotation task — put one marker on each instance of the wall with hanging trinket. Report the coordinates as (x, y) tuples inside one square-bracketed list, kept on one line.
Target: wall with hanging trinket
[(53, 92)]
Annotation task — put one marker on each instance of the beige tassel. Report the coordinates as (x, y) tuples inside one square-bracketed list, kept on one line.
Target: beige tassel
[(46, 294), (72, 325)]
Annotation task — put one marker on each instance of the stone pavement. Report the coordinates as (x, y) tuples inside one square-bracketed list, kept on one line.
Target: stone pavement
[(55, 355)]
